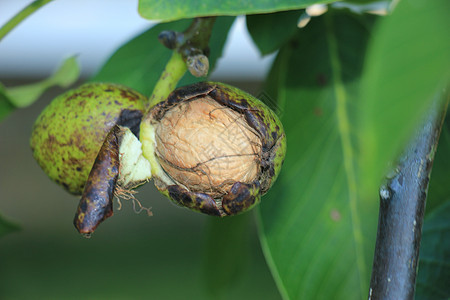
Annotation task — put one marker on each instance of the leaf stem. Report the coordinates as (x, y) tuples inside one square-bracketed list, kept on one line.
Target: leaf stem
[(20, 16), (173, 72), (189, 45), (402, 206)]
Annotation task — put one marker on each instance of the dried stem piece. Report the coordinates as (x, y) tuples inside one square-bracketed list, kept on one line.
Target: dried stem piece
[(192, 44)]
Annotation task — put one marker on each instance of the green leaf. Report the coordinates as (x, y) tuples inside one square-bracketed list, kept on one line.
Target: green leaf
[(317, 233), (271, 31), (5, 106), (139, 63), (439, 189), (22, 96), (25, 95), (7, 226), (407, 63), (173, 10), (434, 266), (227, 253)]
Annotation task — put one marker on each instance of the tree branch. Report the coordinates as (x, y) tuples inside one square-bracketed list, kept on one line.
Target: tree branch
[(402, 206)]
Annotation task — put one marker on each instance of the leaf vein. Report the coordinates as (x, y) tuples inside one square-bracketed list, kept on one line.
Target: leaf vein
[(347, 149)]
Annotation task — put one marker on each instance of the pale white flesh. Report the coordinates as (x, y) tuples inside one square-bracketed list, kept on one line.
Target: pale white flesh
[(134, 168)]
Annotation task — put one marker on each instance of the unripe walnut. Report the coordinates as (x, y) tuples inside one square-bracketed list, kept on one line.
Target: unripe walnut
[(209, 147), (69, 132)]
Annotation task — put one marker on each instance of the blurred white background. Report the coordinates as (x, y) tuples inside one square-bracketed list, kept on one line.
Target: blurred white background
[(93, 29)]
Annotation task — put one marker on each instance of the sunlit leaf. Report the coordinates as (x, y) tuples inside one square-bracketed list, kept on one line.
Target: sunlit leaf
[(318, 234), (434, 267), (173, 10), (139, 63)]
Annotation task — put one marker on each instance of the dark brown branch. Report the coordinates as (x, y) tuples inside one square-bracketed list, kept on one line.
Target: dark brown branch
[(402, 206)]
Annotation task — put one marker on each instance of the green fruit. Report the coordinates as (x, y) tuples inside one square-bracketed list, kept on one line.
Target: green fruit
[(69, 132), (209, 147), (213, 148)]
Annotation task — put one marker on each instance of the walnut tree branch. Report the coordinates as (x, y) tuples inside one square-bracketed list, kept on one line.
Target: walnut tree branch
[(402, 206)]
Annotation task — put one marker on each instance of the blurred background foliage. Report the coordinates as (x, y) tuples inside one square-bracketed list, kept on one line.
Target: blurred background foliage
[(350, 89)]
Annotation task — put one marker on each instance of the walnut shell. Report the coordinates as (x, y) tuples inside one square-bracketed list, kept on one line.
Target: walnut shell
[(207, 147), (213, 148)]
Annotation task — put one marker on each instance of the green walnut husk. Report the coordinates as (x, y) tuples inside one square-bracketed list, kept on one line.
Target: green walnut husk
[(209, 147), (69, 132), (213, 148)]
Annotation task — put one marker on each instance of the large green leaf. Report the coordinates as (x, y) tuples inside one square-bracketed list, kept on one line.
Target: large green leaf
[(139, 63), (24, 95), (408, 61), (271, 31), (434, 266), (227, 253), (318, 235), (173, 10)]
